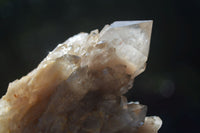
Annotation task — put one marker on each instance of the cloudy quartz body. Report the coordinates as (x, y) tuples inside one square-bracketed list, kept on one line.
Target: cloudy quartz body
[(79, 86)]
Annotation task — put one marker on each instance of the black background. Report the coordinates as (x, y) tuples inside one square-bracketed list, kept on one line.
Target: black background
[(29, 29)]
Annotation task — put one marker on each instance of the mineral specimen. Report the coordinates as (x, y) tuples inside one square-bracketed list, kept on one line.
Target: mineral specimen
[(79, 86)]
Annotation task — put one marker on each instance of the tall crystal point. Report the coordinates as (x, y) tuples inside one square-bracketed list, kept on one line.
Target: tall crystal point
[(79, 86), (131, 40)]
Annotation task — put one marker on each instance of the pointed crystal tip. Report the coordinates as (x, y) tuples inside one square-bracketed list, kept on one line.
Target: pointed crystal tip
[(131, 40), (128, 23)]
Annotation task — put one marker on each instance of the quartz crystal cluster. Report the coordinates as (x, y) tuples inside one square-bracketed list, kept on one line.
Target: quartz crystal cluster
[(79, 86)]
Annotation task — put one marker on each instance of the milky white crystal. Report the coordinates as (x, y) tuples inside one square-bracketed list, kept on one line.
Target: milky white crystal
[(79, 86)]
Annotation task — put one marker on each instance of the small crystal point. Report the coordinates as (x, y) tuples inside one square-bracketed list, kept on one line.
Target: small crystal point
[(145, 27), (79, 86), (131, 40)]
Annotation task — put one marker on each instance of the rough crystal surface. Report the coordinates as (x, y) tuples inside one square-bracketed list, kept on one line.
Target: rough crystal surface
[(79, 86)]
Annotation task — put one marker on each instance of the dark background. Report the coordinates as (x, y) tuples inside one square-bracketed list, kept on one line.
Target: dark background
[(29, 29)]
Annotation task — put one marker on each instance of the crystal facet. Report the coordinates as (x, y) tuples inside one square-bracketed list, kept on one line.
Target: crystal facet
[(79, 86)]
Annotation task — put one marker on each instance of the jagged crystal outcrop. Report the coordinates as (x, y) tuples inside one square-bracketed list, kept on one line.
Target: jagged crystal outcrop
[(79, 86)]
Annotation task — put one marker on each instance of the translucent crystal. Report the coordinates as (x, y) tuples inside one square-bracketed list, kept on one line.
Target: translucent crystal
[(78, 87)]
